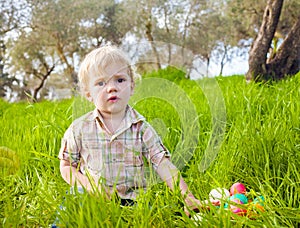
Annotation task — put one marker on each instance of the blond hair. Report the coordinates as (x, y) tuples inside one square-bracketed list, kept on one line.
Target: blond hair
[(95, 63)]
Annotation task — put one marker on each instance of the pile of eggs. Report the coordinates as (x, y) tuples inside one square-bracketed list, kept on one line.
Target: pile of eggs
[(237, 200)]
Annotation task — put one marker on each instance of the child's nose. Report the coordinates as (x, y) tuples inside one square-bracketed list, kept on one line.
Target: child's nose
[(111, 86)]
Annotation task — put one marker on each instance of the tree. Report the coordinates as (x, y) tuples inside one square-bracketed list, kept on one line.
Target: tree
[(145, 24), (286, 59), (103, 22), (58, 34), (11, 13), (32, 58), (6, 81), (55, 25), (179, 32)]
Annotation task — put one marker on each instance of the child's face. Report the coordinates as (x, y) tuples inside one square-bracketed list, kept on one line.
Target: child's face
[(111, 92)]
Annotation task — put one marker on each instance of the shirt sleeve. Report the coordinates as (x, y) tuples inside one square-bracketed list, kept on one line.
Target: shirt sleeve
[(70, 147), (155, 151)]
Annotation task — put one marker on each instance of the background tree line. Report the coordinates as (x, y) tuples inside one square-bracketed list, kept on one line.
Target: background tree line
[(42, 42)]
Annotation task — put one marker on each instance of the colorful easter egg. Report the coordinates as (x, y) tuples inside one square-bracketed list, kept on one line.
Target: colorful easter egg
[(219, 193), (239, 211), (236, 201), (254, 210), (237, 188), (259, 200), (259, 207), (241, 197), (236, 209)]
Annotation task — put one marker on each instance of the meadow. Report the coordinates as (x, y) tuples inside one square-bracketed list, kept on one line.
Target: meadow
[(260, 147)]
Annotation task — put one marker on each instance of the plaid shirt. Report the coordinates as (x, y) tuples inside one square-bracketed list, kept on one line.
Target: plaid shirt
[(115, 160)]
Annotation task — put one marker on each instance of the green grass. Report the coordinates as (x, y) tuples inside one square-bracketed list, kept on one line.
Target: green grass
[(260, 148)]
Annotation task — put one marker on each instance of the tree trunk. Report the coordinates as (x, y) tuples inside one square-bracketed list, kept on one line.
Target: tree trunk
[(223, 60), (70, 69), (151, 40), (287, 58), (41, 85), (169, 35), (258, 52)]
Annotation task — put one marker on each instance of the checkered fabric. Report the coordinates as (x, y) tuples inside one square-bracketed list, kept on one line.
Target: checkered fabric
[(114, 160)]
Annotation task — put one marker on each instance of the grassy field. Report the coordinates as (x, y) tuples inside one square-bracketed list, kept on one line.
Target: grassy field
[(260, 147)]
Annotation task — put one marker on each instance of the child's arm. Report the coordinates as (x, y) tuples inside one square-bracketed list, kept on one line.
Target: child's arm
[(73, 176), (169, 173)]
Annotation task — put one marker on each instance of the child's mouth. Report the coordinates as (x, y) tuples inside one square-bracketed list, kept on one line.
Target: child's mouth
[(113, 99)]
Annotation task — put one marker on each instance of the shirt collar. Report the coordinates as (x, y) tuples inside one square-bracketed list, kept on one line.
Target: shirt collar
[(131, 117)]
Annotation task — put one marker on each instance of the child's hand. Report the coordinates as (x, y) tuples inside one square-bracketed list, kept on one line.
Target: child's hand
[(193, 204), (214, 202)]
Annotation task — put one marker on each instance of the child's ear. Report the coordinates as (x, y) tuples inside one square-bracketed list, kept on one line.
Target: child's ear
[(88, 96)]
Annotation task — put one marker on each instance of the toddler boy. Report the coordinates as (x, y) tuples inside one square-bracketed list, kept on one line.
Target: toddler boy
[(104, 149)]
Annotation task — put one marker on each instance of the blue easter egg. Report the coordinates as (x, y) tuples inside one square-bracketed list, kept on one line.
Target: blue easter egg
[(260, 200), (241, 197)]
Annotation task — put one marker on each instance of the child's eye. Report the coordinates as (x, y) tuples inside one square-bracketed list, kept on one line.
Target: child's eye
[(101, 83), (120, 80)]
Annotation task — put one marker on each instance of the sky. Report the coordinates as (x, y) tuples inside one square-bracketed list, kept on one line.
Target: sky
[(239, 65)]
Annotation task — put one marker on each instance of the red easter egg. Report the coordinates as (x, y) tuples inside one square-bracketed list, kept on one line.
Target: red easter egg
[(239, 211), (237, 188)]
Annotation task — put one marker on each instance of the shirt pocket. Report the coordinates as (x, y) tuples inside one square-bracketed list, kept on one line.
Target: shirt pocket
[(92, 156)]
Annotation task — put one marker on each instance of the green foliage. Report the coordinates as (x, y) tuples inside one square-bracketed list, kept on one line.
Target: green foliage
[(169, 73), (261, 148)]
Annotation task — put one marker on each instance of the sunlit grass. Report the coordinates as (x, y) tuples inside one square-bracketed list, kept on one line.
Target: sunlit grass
[(261, 148)]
